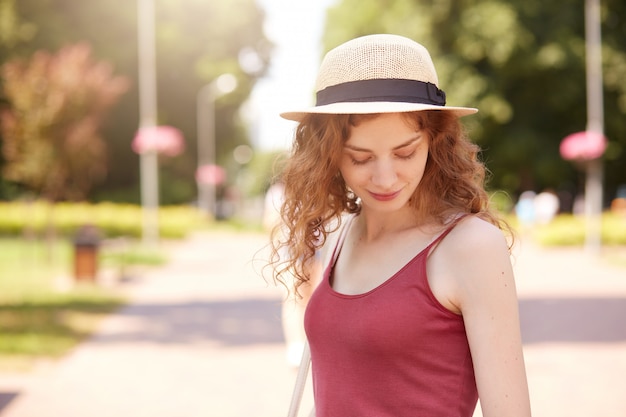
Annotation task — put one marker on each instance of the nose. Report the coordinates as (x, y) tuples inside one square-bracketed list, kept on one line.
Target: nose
[(384, 175)]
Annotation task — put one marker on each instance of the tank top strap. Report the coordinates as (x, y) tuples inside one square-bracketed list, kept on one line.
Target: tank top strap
[(443, 234), (340, 240)]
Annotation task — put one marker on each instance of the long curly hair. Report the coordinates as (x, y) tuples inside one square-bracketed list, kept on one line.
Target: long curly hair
[(316, 196)]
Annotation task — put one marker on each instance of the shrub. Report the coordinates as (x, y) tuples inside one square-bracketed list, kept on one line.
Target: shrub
[(111, 219), (570, 230)]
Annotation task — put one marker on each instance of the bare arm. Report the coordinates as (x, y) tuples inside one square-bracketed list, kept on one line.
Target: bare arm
[(484, 292)]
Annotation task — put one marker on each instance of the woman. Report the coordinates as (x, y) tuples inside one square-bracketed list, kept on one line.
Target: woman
[(416, 313)]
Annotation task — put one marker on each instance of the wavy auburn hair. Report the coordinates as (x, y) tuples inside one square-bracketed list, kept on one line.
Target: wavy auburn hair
[(316, 195)]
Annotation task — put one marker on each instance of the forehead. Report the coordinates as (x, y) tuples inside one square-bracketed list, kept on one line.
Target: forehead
[(386, 130)]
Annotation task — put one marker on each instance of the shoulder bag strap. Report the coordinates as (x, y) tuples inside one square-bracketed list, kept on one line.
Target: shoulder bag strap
[(298, 389)]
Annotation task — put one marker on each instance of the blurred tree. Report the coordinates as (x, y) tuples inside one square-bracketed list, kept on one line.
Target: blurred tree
[(12, 29), (522, 63), (50, 130), (267, 162), (12, 32), (196, 41)]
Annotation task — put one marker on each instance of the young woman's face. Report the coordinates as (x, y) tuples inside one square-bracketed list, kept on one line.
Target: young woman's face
[(383, 161)]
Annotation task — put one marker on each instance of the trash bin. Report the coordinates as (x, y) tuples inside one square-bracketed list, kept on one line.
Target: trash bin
[(86, 246)]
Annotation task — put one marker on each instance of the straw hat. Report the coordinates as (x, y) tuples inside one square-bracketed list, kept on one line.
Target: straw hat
[(377, 74)]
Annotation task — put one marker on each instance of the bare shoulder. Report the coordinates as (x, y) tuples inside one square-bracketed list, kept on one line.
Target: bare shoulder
[(477, 245), (470, 259), (474, 235)]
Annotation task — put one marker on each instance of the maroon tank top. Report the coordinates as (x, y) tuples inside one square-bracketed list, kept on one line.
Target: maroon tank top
[(394, 351)]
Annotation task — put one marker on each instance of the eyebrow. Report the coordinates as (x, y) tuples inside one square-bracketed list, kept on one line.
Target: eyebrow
[(402, 145)]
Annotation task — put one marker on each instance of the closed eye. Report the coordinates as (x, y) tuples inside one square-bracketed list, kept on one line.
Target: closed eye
[(406, 155), (360, 161)]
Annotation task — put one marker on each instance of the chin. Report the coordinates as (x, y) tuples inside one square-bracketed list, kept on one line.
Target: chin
[(387, 206)]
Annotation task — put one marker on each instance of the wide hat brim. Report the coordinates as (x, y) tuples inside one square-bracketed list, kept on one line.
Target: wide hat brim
[(373, 108)]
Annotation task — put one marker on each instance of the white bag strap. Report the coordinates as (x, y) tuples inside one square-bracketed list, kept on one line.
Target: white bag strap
[(298, 389)]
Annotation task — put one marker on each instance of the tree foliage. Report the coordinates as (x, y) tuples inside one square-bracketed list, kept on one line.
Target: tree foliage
[(50, 130), (12, 29), (522, 63), (196, 41)]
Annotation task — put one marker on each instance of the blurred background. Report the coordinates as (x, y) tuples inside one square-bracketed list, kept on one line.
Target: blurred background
[(127, 127), (71, 88)]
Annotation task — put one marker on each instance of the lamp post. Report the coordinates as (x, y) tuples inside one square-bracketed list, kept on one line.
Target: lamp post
[(147, 119), (595, 124), (205, 118)]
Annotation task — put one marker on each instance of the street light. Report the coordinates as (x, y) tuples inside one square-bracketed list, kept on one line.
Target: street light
[(595, 125), (147, 119), (205, 118)]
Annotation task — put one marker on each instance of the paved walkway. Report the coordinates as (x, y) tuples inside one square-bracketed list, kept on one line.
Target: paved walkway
[(202, 337)]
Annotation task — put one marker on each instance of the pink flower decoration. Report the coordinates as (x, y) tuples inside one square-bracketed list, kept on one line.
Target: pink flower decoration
[(165, 140), (210, 174), (583, 146)]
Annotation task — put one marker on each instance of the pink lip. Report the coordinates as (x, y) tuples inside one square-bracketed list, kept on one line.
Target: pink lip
[(385, 197)]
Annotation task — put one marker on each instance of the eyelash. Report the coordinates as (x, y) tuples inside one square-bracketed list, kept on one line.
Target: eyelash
[(403, 157), (356, 162), (407, 157)]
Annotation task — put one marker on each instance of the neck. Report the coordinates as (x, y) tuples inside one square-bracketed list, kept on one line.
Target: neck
[(375, 226)]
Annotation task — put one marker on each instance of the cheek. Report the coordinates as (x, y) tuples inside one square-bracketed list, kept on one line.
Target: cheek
[(349, 177), (353, 175), (416, 170)]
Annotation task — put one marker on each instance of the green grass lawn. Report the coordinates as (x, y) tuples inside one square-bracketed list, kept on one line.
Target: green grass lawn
[(40, 315)]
